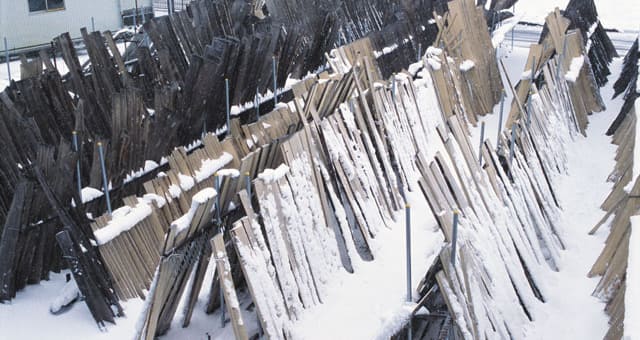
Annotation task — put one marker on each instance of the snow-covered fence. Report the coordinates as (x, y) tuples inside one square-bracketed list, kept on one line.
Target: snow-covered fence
[(508, 240), (618, 263)]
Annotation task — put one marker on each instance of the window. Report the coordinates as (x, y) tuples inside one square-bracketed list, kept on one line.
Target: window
[(45, 5)]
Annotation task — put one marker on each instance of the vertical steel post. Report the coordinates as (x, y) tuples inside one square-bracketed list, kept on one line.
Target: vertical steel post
[(512, 146), (247, 177), (7, 59), (93, 24), (217, 203), (105, 182), (482, 127), (408, 246), (226, 88), (454, 241), (500, 120), (275, 82), (219, 222), (135, 15), (76, 148)]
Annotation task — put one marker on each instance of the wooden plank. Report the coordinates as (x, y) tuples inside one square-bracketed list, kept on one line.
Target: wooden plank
[(224, 272)]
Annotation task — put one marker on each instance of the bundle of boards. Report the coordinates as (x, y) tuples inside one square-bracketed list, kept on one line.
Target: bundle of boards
[(500, 200), (166, 90), (623, 209)]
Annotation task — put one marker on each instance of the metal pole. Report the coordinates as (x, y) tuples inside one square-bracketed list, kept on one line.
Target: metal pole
[(482, 127), (512, 147), (500, 120), (226, 88), (454, 241), (408, 246), (217, 203), (219, 222), (6, 58), (105, 182), (93, 24), (275, 82), (247, 177), (135, 15), (76, 148), (419, 51)]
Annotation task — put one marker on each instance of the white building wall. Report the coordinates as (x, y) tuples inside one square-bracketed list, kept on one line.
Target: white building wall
[(24, 29)]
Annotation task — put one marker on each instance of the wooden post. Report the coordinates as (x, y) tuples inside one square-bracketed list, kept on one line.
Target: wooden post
[(419, 51), (105, 182), (226, 89), (6, 58), (454, 240), (93, 24), (76, 148), (482, 127), (560, 57)]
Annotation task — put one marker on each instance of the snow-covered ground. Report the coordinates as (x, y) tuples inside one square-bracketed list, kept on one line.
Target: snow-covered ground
[(571, 311), (376, 293)]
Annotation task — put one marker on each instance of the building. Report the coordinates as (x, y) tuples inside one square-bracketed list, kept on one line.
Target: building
[(29, 24)]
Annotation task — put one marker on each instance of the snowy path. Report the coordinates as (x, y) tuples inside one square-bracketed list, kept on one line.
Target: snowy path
[(571, 312)]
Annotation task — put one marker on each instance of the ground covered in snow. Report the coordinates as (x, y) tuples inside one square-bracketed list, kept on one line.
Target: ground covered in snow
[(376, 294)]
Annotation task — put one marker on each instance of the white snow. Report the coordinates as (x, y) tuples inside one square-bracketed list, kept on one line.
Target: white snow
[(574, 69), (68, 293), (467, 65), (233, 173), (89, 194), (506, 26), (272, 175), (153, 198), (184, 221), (175, 191), (632, 294), (122, 220), (186, 182), (210, 166)]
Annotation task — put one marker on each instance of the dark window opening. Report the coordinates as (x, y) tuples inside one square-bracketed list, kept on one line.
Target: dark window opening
[(45, 5)]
